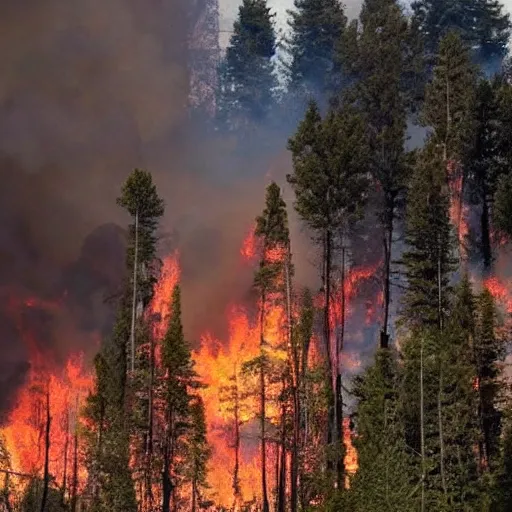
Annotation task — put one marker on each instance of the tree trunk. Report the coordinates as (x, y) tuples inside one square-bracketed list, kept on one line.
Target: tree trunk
[(338, 399), (281, 500), (134, 301), (194, 494), (46, 475), (388, 245), (440, 426), (264, 495), (295, 376), (167, 487), (74, 486), (149, 439), (65, 469), (486, 232), (422, 430), (327, 271), (237, 492)]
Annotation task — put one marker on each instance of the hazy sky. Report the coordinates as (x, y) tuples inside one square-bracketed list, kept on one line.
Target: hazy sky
[(229, 9)]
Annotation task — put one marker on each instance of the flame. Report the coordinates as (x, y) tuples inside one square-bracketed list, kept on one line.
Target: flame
[(458, 209), (24, 431), (67, 387), (161, 302), (351, 459), (502, 292), (249, 246)]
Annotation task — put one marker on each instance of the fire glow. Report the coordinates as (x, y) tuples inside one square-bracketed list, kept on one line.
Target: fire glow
[(48, 391)]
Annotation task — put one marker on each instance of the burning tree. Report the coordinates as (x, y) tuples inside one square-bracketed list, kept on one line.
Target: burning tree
[(329, 180)]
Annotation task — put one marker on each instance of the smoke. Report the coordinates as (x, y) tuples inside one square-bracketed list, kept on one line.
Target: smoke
[(89, 91)]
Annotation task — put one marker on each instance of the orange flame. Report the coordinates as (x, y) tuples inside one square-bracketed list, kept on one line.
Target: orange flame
[(501, 292), (458, 209), (351, 459), (24, 431)]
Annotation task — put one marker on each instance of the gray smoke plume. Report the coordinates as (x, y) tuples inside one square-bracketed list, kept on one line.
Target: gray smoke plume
[(88, 91)]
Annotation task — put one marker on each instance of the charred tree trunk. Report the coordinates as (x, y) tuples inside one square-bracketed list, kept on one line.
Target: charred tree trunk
[(134, 298), (167, 487), (65, 469), (149, 439), (422, 431), (74, 485), (281, 492), (486, 231), (264, 494), (46, 475), (327, 271), (194, 495), (237, 491), (388, 245), (338, 399), (295, 383)]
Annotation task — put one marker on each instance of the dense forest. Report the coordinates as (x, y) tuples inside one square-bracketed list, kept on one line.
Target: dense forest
[(401, 163)]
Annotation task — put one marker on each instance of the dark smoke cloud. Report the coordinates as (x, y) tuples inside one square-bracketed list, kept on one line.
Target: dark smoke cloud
[(88, 91)]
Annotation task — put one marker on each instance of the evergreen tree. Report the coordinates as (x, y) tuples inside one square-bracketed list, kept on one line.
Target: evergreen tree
[(246, 75), (503, 206), (178, 380), (329, 179), (109, 406), (428, 263), (427, 259), (489, 351), (449, 103), (458, 399), (198, 452), (482, 24), (379, 67), (484, 162), (272, 230), (317, 26), (383, 480)]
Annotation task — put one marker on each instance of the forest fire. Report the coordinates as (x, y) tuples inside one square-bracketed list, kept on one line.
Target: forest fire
[(351, 462), (500, 291), (26, 424), (458, 209), (48, 402)]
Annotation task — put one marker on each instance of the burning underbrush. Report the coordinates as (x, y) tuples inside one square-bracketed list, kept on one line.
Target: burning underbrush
[(41, 433)]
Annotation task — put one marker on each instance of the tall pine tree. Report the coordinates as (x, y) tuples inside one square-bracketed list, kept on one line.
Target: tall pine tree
[(378, 67), (246, 75), (330, 183), (272, 230), (178, 381), (482, 24), (110, 403), (317, 27)]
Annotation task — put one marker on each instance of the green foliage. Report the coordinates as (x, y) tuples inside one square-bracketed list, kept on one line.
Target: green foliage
[(428, 258), (198, 451), (246, 76), (383, 481), (31, 500), (272, 230), (482, 24), (450, 97), (317, 27), (330, 163), (484, 160), (503, 206), (489, 352), (140, 199), (181, 409)]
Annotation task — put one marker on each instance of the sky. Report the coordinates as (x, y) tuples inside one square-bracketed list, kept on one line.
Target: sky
[(229, 9)]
